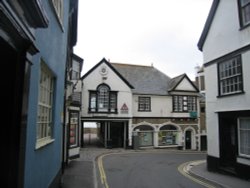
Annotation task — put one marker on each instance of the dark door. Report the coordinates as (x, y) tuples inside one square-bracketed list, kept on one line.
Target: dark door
[(14, 97), (203, 143), (228, 139), (188, 139), (117, 134)]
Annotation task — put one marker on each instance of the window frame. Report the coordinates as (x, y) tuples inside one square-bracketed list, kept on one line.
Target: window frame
[(243, 23), (186, 103), (58, 8), (142, 106), (45, 108), (94, 101), (239, 137), (229, 78)]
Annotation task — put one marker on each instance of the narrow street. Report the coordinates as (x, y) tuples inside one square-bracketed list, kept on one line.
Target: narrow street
[(148, 169)]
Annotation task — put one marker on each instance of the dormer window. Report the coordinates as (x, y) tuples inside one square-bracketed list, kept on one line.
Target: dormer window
[(103, 100)]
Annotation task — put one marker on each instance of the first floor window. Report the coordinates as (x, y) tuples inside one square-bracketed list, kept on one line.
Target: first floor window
[(245, 12), (244, 136), (103, 100), (184, 103), (45, 104), (230, 76), (144, 104)]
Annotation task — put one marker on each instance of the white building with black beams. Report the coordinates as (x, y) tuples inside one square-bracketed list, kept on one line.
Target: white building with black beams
[(225, 43), (127, 100)]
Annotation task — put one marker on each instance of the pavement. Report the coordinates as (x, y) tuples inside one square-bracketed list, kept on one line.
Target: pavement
[(81, 172)]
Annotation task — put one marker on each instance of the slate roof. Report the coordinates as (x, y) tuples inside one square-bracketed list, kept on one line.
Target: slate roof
[(145, 79)]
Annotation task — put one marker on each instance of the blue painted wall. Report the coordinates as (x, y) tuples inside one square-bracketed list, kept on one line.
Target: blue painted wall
[(42, 165)]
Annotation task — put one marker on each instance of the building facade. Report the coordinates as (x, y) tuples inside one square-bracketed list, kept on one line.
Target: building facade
[(226, 52), (34, 41), (130, 101)]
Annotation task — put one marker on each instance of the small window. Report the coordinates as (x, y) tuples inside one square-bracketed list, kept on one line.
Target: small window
[(75, 70), (45, 105), (244, 9), (73, 128), (244, 136), (230, 76), (144, 104)]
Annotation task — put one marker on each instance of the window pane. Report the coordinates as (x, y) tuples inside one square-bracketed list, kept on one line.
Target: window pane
[(244, 136), (44, 115)]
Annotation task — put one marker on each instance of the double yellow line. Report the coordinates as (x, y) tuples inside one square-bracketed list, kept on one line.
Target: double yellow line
[(102, 172)]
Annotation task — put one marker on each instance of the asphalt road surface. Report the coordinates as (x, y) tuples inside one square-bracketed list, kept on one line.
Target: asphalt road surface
[(148, 170)]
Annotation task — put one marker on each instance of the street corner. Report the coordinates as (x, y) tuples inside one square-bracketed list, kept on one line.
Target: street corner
[(186, 170)]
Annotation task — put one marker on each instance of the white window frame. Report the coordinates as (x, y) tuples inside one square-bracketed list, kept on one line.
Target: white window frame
[(58, 6), (45, 107), (239, 137), (230, 76)]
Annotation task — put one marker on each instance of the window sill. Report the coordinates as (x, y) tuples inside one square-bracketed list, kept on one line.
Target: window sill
[(43, 142), (231, 94)]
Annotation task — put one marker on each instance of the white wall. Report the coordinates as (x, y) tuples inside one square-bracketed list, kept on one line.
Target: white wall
[(224, 35), (94, 79)]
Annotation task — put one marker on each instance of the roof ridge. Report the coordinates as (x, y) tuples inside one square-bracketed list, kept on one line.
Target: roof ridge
[(127, 64)]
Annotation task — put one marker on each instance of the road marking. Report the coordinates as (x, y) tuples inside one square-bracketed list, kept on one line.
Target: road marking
[(103, 174), (182, 169)]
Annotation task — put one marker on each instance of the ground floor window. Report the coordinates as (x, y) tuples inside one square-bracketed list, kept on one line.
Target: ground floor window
[(168, 135), (145, 134), (145, 138), (244, 136), (73, 128)]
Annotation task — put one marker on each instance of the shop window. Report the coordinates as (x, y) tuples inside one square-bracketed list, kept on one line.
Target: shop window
[(145, 134), (73, 128), (168, 135)]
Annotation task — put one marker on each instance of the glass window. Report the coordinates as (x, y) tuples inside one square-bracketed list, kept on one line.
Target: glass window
[(184, 103), (144, 104), (230, 76), (73, 128), (244, 136), (168, 135), (45, 104), (245, 12), (103, 100), (75, 71)]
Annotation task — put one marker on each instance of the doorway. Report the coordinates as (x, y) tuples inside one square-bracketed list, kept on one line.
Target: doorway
[(228, 139), (188, 139)]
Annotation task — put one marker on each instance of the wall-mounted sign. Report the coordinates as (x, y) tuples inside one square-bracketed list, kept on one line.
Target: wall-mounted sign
[(124, 109)]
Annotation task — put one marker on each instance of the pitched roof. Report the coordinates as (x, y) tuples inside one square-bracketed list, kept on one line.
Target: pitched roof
[(208, 24), (175, 81), (145, 79), (109, 65)]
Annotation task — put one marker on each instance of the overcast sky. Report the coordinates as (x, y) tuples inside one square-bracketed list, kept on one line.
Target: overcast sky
[(164, 33)]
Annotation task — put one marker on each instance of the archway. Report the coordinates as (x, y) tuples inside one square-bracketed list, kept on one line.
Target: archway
[(145, 134)]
